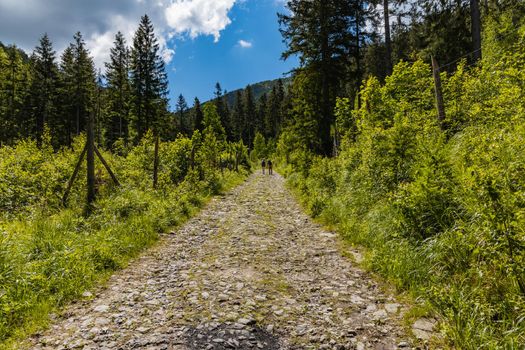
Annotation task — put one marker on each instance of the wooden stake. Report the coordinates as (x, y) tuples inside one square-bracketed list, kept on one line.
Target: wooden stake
[(106, 165), (156, 163), (440, 105), (74, 176), (91, 159)]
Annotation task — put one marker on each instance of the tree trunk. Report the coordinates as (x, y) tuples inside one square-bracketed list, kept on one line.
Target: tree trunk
[(78, 120), (358, 52), (388, 42), (476, 28), (326, 121)]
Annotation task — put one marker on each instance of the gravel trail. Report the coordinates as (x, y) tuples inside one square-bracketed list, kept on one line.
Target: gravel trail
[(250, 271)]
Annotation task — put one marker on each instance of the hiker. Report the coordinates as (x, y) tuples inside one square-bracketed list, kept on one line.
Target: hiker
[(263, 165), (270, 167)]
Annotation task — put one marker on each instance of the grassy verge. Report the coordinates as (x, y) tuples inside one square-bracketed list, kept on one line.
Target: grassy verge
[(439, 206), (51, 255), (53, 260), (479, 308)]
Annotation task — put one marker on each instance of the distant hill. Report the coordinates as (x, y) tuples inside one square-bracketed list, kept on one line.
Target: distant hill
[(258, 89)]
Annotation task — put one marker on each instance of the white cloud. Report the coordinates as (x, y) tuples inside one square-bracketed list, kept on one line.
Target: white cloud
[(167, 54), (245, 44), (100, 43), (24, 22), (99, 46), (199, 17)]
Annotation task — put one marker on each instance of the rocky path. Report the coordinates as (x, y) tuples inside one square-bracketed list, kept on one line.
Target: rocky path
[(251, 271)]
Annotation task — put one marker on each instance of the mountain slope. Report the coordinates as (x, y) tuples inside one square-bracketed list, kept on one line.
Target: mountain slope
[(258, 89)]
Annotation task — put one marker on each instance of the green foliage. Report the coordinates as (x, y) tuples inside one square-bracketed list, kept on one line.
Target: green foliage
[(15, 80), (260, 151), (49, 255), (149, 82), (212, 122), (440, 211), (117, 92), (77, 92)]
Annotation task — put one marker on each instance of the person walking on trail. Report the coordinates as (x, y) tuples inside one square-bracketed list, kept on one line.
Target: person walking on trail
[(270, 167), (263, 165)]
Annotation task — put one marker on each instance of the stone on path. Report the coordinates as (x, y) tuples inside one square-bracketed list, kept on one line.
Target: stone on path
[(250, 271), (423, 328)]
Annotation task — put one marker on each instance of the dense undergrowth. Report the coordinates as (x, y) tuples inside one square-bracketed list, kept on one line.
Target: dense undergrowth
[(441, 209), (50, 255)]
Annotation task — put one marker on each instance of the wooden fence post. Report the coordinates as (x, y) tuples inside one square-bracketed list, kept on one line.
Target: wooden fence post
[(106, 165), (90, 158), (440, 105), (74, 176), (89, 152)]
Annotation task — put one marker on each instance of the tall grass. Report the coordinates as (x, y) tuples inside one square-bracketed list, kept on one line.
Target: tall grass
[(440, 211), (50, 255)]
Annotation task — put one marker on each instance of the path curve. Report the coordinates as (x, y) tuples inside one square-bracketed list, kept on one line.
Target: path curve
[(250, 271)]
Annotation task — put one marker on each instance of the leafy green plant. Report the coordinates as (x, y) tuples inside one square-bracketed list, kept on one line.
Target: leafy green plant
[(49, 255), (441, 211)]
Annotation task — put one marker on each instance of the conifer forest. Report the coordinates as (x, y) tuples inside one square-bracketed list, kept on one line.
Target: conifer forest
[(394, 219)]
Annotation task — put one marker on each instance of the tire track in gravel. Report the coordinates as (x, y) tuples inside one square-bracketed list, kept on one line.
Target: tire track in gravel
[(250, 271)]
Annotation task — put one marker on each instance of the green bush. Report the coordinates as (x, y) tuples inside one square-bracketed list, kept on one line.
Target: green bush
[(442, 210), (49, 255)]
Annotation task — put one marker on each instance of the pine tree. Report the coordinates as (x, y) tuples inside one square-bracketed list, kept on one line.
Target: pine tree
[(198, 116), (4, 125), (250, 114), (226, 117), (181, 109), (212, 122), (361, 15), (280, 98), (272, 115), (14, 88), (442, 29), (280, 91), (388, 41), (65, 126), (218, 97), (77, 89), (44, 87), (237, 117), (322, 34), (222, 107), (85, 82), (100, 101), (118, 92), (149, 87), (262, 108)]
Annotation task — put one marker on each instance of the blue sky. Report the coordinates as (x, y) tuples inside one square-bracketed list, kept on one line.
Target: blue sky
[(234, 42), (199, 63)]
